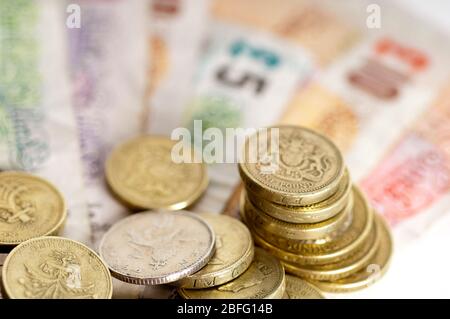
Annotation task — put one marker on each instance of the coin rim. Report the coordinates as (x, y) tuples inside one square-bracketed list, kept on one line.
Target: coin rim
[(43, 238), (63, 214), (341, 272), (221, 276), (308, 214), (137, 204), (297, 231), (169, 278), (385, 244), (337, 254), (293, 198), (278, 291)]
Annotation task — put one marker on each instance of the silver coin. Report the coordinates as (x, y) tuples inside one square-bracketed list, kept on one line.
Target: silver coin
[(152, 248)]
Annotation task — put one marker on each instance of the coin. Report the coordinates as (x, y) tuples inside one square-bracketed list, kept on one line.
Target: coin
[(297, 288), (371, 273), (316, 252), (233, 255), (264, 279), (309, 169), (276, 227), (151, 248), (354, 262), (313, 213), (55, 268), (29, 207), (142, 173)]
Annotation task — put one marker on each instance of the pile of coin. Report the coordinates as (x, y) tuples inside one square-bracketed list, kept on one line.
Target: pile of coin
[(301, 206), (39, 265)]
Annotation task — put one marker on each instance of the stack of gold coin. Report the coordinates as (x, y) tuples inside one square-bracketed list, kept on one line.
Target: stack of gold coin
[(301, 206)]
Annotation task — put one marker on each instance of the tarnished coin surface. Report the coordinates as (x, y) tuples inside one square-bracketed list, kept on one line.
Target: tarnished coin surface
[(304, 168), (151, 248), (297, 288), (55, 268), (233, 255), (143, 174), (264, 278), (29, 207)]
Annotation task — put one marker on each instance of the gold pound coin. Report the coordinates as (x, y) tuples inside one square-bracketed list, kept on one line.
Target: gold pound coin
[(233, 255), (264, 279), (320, 253), (306, 169), (151, 248), (55, 268), (354, 262), (313, 213), (142, 173), (297, 288), (365, 277), (29, 207), (327, 228)]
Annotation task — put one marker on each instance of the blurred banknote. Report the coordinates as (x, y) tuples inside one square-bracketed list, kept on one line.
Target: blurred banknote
[(178, 30), (108, 93), (367, 99), (245, 79), (38, 131)]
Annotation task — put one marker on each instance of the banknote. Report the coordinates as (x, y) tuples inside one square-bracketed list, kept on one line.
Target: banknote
[(38, 132), (309, 24), (175, 54), (368, 96), (245, 79), (410, 185), (108, 86)]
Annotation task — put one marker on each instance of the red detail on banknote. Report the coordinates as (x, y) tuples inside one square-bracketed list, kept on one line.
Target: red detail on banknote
[(412, 177), (413, 57)]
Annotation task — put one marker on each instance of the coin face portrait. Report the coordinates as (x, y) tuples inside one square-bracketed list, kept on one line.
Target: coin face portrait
[(29, 207), (157, 247), (141, 173), (309, 165), (55, 268)]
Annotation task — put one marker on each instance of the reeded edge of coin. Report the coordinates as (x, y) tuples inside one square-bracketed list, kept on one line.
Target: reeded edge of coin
[(320, 258), (277, 293), (309, 214), (172, 277), (367, 276), (293, 198), (298, 231), (342, 268), (137, 205), (7, 246), (7, 290), (222, 276), (291, 280)]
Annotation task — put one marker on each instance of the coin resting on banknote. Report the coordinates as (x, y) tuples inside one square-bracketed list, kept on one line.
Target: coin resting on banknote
[(55, 268), (143, 174), (151, 248), (29, 207)]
